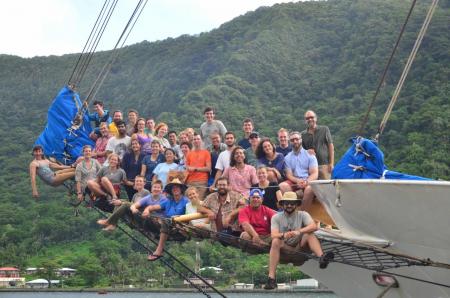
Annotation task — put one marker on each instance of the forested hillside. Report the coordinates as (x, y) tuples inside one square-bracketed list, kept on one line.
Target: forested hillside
[(272, 65)]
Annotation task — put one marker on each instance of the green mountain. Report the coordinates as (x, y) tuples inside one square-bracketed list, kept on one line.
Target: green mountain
[(272, 65)]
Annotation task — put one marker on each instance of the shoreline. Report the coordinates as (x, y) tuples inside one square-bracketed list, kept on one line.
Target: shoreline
[(160, 290)]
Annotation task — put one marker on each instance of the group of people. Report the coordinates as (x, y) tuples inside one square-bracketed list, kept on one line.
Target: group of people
[(238, 185)]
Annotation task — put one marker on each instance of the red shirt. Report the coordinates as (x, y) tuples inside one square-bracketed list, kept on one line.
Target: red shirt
[(259, 218)]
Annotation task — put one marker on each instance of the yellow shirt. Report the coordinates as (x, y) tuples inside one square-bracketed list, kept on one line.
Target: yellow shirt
[(113, 129)]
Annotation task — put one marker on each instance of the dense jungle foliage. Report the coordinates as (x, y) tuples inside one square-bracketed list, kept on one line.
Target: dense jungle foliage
[(272, 65)]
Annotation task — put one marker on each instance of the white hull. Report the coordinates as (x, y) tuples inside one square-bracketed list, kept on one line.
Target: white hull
[(413, 216)]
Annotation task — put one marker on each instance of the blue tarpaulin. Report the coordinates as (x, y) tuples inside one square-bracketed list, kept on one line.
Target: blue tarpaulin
[(364, 160), (57, 139)]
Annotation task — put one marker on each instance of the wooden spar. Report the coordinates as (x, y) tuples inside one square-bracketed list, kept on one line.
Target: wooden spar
[(318, 212), (189, 217)]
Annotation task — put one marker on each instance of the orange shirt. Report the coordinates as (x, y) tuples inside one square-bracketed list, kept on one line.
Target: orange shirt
[(198, 158)]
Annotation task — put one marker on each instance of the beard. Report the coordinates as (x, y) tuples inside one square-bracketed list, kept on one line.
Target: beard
[(222, 192)]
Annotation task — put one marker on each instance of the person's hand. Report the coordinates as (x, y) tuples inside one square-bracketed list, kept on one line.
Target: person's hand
[(303, 183), (212, 189), (211, 216), (146, 213), (290, 234), (258, 240), (330, 168), (312, 152), (80, 196), (133, 210), (117, 202), (35, 194), (226, 222)]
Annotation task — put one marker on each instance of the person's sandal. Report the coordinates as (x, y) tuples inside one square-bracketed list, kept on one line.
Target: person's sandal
[(270, 284), (325, 259), (153, 257)]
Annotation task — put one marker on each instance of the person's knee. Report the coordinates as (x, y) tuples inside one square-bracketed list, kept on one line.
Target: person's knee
[(284, 186), (104, 180), (277, 243), (246, 236)]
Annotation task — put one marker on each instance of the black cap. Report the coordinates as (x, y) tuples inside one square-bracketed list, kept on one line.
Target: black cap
[(253, 134)]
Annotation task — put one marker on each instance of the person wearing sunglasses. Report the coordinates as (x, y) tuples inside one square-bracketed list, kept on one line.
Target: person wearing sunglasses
[(300, 168), (317, 140), (296, 229)]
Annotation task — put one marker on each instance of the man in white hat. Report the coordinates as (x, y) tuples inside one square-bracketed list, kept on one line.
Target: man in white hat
[(174, 206), (296, 229)]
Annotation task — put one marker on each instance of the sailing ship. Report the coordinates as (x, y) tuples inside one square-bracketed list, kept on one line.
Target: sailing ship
[(391, 238)]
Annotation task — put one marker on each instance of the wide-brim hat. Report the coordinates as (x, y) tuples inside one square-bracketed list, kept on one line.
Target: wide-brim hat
[(290, 196), (174, 182)]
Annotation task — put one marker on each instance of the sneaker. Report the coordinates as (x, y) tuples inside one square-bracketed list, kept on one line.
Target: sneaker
[(270, 284), (325, 259)]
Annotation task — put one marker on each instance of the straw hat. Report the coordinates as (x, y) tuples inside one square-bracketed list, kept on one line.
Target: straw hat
[(290, 196), (174, 182)]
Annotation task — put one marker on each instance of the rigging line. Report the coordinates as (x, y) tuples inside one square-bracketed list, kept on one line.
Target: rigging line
[(150, 251), (407, 67), (383, 250), (96, 42), (144, 233), (88, 40), (383, 76), (415, 278), (105, 70)]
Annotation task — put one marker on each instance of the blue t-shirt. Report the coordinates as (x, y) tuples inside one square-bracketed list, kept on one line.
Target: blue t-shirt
[(284, 151), (151, 165), (300, 163), (97, 119), (277, 163), (149, 201), (244, 143), (131, 166), (171, 207)]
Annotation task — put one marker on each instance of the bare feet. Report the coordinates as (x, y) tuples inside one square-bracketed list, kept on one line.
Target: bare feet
[(109, 228), (102, 222)]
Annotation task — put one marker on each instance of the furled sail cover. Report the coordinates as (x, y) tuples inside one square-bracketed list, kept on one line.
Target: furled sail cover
[(364, 160), (61, 138)]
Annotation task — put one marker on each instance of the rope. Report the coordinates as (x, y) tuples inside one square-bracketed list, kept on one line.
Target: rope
[(407, 67), (95, 43), (122, 39), (91, 43), (144, 233), (388, 64), (107, 67)]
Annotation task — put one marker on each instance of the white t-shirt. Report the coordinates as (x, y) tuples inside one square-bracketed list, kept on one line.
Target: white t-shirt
[(223, 161), (118, 146)]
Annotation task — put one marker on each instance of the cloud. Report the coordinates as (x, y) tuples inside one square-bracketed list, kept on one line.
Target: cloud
[(56, 27)]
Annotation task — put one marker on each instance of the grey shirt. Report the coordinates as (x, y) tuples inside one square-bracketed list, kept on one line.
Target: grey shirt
[(116, 177), (285, 223), (318, 141), (139, 195), (206, 129)]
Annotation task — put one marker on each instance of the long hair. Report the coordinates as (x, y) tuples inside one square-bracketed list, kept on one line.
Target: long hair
[(260, 151), (233, 153)]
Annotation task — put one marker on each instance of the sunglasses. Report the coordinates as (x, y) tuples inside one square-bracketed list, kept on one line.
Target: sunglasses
[(308, 118), (256, 197), (290, 203)]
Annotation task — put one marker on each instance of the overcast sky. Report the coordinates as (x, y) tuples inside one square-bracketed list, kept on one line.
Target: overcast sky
[(55, 27)]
